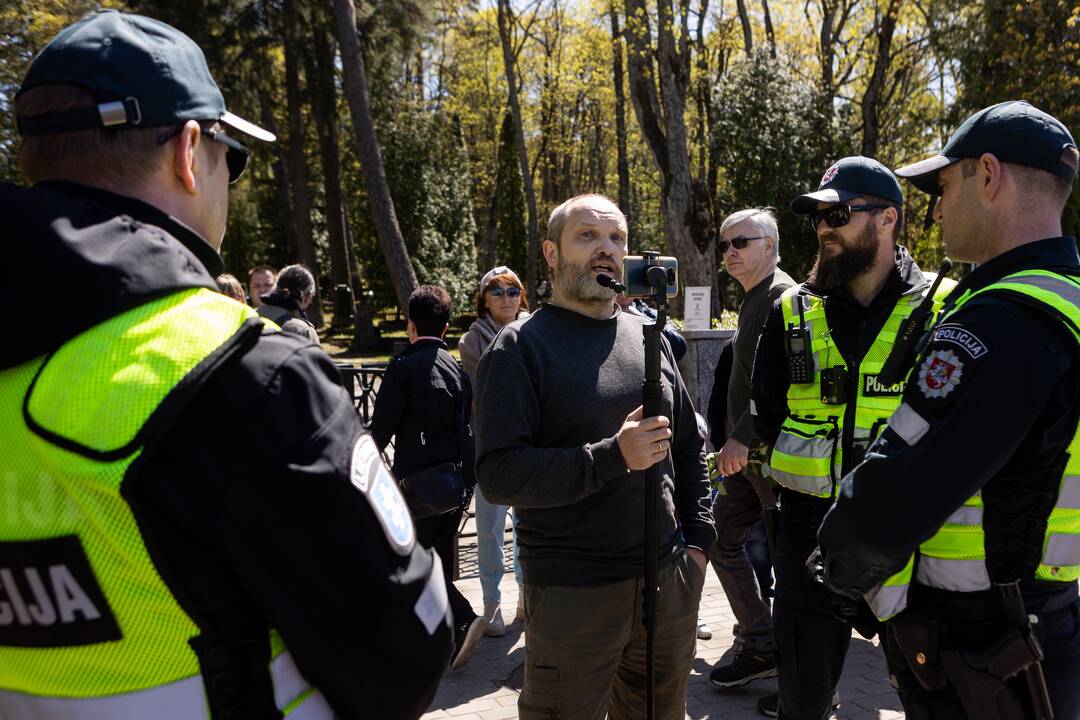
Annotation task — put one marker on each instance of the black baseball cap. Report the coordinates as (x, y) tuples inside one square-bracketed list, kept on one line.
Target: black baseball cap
[(1013, 132), (141, 72), (849, 178)]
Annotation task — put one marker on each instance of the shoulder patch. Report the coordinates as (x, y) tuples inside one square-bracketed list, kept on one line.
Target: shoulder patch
[(940, 373), (956, 335), (369, 474)]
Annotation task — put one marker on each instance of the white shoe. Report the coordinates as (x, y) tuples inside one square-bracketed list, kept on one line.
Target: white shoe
[(495, 625), (468, 642), (704, 632)]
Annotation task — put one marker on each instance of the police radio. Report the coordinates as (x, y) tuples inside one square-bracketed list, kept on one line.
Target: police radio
[(800, 356)]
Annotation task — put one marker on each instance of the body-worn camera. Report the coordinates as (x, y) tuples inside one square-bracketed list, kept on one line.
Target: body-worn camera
[(834, 385), (636, 273)]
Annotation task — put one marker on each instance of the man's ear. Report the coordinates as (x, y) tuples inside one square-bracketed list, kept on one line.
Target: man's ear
[(551, 253), (410, 330), (890, 216), (184, 156), (442, 333), (989, 175)]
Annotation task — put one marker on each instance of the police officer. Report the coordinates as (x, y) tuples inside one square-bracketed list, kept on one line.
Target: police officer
[(160, 553), (819, 400), (977, 478)]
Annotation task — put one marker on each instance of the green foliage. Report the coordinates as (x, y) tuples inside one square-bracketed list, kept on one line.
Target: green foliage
[(771, 148), (1009, 50), (427, 169), (513, 245)]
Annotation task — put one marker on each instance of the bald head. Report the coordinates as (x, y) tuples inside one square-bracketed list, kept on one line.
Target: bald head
[(593, 203)]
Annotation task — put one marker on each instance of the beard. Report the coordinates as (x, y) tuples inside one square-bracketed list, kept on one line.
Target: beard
[(577, 282), (840, 266)]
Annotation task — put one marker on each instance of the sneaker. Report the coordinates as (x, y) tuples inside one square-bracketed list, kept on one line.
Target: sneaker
[(495, 625), (704, 632), (466, 638), (769, 705), (747, 663), (731, 652)]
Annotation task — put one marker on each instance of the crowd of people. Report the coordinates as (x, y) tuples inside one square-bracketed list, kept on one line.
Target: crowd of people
[(907, 443)]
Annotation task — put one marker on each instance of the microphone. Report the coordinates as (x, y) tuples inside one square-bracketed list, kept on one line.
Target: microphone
[(607, 281)]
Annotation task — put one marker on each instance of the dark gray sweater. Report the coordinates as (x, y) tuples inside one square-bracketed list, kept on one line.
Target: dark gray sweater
[(551, 394)]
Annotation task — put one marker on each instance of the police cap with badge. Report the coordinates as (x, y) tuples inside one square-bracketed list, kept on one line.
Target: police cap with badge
[(142, 74), (847, 179)]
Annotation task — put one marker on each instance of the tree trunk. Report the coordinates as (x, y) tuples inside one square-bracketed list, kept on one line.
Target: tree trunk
[(343, 270), (620, 120), (489, 241), (533, 277), (687, 223), (281, 180), (298, 172), (391, 241), (747, 31), (769, 33), (825, 40), (872, 99)]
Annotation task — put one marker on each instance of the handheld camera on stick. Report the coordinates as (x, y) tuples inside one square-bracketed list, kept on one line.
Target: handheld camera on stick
[(656, 279)]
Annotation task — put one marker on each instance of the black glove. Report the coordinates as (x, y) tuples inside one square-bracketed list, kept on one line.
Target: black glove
[(855, 613)]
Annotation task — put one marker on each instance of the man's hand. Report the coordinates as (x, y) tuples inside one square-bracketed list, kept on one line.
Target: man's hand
[(698, 557), (643, 442), (853, 612), (732, 457)]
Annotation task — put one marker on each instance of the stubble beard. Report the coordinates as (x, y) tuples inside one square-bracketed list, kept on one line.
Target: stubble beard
[(839, 267), (578, 283)]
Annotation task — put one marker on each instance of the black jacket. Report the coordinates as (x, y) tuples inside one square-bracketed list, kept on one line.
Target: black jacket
[(245, 497), (1003, 427), (419, 404)]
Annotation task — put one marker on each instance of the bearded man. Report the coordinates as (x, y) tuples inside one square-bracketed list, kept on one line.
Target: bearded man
[(561, 437), (818, 403)]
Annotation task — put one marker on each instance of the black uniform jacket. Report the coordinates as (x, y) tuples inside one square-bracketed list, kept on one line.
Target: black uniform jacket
[(995, 404), (420, 401), (245, 501)]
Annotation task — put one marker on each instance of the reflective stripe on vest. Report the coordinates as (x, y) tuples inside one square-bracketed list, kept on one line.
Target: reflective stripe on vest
[(955, 557), (808, 454), (77, 419), (890, 597), (182, 700)]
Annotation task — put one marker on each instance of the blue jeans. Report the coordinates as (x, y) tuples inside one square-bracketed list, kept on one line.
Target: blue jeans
[(490, 531)]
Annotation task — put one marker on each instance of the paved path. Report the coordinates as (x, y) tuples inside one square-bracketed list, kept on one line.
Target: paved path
[(486, 688)]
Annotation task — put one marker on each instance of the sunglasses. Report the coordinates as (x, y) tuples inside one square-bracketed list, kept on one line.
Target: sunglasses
[(739, 242), (236, 155), (508, 292), (838, 215)]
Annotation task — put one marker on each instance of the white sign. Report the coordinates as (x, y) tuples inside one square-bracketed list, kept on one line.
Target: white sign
[(696, 314)]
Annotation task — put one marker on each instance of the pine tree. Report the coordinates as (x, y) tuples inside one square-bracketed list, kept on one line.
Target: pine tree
[(513, 247)]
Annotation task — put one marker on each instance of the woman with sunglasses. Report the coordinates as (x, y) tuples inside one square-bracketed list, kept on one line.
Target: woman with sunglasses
[(500, 301)]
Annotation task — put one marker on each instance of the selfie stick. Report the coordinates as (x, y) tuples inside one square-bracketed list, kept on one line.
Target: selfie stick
[(656, 277)]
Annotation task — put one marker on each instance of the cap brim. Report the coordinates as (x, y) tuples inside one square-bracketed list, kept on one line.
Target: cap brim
[(923, 174), (248, 128), (808, 203)]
